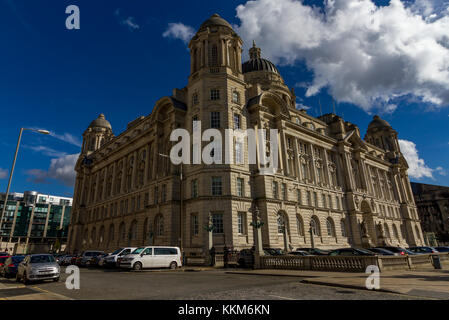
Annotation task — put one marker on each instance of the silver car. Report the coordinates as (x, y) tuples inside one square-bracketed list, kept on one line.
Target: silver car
[(38, 267)]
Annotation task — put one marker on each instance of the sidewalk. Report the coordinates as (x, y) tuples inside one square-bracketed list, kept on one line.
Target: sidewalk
[(11, 290), (421, 284)]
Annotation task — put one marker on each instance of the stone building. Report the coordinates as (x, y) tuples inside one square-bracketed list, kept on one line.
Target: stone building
[(332, 188), (433, 210)]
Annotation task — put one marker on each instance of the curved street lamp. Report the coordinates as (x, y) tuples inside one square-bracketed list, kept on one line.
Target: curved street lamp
[(12, 170)]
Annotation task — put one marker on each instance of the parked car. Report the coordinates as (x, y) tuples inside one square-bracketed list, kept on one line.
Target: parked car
[(423, 250), (3, 259), (314, 251), (299, 253), (59, 258), (84, 259), (111, 259), (381, 252), (398, 251), (152, 257), (351, 252), (442, 249), (9, 268), (38, 267), (95, 261), (245, 258), (3, 254), (66, 260), (273, 251)]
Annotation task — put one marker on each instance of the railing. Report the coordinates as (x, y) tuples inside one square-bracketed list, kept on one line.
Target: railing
[(348, 264)]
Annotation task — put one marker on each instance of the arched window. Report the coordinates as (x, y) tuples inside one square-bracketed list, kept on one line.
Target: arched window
[(299, 226), (145, 230), (343, 228), (282, 223), (101, 235), (395, 232), (111, 233), (330, 227), (93, 235), (387, 231), (133, 231), (315, 226), (159, 225), (122, 232)]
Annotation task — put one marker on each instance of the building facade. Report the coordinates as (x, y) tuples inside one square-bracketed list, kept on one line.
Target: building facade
[(32, 219), (332, 188), (433, 210)]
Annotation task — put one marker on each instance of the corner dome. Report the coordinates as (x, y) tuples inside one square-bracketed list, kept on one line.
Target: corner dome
[(100, 122), (378, 123), (256, 63), (215, 20)]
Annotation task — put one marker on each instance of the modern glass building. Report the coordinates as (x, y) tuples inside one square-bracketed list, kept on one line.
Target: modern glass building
[(32, 219)]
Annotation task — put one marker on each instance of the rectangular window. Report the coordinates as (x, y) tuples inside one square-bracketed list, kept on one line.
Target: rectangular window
[(298, 195), (194, 188), (309, 198), (195, 99), (315, 197), (284, 191), (215, 94), (238, 153), (323, 196), (235, 97), (156, 195), (195, 227), (216, 186), (240, 183), (215, 119), (236, 121), (275, 190), (241, 222), (329, 198), (217, 222), (164, 193)]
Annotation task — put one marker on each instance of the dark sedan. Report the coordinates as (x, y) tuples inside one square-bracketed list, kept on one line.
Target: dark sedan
[(314, 251), (9, 268), (398, 251), (351, 252), (442, 249), (381, 252)]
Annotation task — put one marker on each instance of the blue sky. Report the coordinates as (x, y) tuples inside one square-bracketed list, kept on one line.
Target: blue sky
[(119, 63)]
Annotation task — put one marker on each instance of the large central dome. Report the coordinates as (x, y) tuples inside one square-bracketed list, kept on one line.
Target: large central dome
[(256, 63)]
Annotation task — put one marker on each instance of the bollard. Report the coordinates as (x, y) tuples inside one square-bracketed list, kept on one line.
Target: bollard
[(436, 261)]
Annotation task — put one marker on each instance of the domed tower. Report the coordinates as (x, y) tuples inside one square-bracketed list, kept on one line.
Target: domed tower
[(263, 75), (216, 83), (98, 133), (382, 135)]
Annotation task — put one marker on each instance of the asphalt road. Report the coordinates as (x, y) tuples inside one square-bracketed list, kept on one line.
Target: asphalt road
[(198, 285)]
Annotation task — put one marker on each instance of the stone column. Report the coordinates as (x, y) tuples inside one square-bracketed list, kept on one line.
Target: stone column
[(297, 160), (133, 176), (147, 165), (326, 168)]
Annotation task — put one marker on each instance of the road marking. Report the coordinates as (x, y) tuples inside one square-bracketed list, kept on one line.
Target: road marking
[(52, 293), (284, 298)]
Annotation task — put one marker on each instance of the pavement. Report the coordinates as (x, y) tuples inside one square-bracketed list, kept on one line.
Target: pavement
[(11, 290), (429, 283)]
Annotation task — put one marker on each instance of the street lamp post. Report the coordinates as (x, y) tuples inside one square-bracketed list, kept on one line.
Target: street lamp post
[(12, 169), (181, 178)]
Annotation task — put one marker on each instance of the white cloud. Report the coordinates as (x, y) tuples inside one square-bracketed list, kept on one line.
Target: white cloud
[(61, 169), (365, 54), (179, 31), (3, 173), (50, 152), (441, 171), (67, 137), (417, 167), (129, 22)]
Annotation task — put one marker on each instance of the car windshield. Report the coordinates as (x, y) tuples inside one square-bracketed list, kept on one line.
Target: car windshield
[(137, 251), (18, 259), (364, 251), (42, 259), (116, 252)]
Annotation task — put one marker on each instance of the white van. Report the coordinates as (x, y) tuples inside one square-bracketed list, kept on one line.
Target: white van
[(152, 257)]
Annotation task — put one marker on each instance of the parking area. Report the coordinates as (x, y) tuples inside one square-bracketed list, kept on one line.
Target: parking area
[(187, 284)]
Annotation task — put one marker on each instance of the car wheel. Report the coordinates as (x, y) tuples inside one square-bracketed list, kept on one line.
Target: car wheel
[(24, 278), (173, 265), (137, 266)]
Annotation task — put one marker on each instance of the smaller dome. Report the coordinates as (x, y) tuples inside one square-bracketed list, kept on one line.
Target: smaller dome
[(215, 20), (378, 123), (256, 63), (100, 122)]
